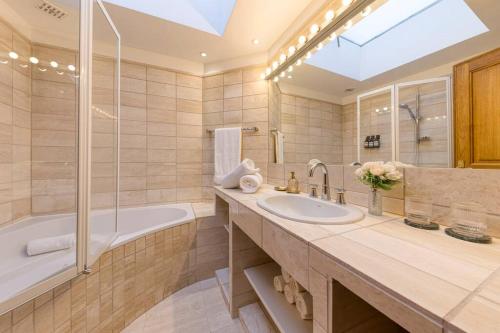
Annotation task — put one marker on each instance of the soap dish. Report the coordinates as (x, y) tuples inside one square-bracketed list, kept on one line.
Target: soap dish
[(483, 239), (280, 188), (429, 226)]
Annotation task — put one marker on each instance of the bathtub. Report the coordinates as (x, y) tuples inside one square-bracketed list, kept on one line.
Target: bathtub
[(18, 271)]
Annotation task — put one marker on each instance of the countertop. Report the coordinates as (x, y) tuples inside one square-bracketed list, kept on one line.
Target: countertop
[(446, 279)]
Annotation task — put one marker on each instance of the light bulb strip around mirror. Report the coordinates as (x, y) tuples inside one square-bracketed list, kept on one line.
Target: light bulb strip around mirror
[(340, 19)]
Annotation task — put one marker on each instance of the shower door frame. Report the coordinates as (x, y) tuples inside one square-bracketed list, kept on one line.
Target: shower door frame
[(389, 88), (449, 130)]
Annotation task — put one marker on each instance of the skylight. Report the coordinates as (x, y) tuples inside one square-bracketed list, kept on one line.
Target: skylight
[(210, 16), (387, 40), (384, 18)]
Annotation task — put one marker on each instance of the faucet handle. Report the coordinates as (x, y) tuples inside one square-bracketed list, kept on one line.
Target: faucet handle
[(314, 190), (340, 195)]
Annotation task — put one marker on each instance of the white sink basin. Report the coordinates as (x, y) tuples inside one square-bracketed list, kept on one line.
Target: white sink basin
[(310, 210)]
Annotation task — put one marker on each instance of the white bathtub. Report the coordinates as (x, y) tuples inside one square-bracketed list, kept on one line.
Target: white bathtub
[(19, 271)]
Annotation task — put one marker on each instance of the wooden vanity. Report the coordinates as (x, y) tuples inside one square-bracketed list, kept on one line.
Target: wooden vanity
[(375, 275)]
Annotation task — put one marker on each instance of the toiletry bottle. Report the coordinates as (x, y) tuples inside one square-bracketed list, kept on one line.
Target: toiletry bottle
[(367, 140), (293, 184), (377, 141), (370, 141)]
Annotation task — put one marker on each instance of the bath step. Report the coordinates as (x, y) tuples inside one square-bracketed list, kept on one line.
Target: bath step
[(222, 277), (254, 320)]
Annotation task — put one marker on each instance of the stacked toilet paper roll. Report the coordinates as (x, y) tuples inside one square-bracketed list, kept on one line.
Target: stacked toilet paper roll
[(294, 293)]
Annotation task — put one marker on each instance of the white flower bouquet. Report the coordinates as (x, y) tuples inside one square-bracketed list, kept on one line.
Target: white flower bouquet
[(380, 175)]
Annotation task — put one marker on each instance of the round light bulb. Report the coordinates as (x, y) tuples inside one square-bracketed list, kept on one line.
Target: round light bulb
[(333, 36), (275, 65), (299, 62), (289, 76), (302, 40), (54, 64), (320, 46), (308, 55), (346, 2), (255, 41), (314, 28), (13, 55), (290, 69), (348, 25), (276, 79), (203, 54), (291, 50), (282, 58), (34, 60), (366, 11), (329, 15), (268, 70), (282, 74), (72, 68)]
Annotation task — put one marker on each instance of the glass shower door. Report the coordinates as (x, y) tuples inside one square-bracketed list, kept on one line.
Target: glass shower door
[(105, 133), (423, 123), (375, 123)]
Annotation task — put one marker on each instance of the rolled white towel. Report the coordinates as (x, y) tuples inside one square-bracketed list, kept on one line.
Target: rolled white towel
[(232, 179), (251, 183), (50, 244), (289, 294), (304, 304), (286, 275), (296, 287), (279, 283)]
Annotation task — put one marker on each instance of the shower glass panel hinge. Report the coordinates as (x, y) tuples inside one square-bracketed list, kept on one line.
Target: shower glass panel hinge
[(87, 270)]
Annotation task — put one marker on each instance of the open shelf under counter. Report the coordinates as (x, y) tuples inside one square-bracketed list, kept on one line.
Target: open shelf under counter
[(284, 315)]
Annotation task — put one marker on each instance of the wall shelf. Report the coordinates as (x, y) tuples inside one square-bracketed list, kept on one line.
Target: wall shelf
[(285, 315)]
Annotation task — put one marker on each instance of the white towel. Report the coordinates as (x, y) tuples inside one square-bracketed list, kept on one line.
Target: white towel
[(50, 244), (304, 304), (251, 183), (227, 151), (279, 283), (232, 179), (278, 147)]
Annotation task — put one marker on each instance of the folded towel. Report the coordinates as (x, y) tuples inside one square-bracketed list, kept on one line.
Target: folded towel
[(304, 304), (279, 139), (286, 275), (279, 283), (227, 153), (289, 295), (251, 183), (232, 179), (296, 287), (50, 244)]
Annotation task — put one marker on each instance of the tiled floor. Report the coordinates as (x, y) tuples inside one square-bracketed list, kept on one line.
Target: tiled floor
[(198, 308)]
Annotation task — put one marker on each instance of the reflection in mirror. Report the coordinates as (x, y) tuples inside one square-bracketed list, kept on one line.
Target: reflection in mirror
[(387, 82)]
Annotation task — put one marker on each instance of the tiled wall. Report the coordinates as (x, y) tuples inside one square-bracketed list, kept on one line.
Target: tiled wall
[(445, 186), (161, 131), (54, 136), (126, 281), (236, 98), (15, 127)]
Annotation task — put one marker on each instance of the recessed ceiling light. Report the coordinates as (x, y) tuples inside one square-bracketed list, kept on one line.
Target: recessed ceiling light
[(255, 41), (34, 60), (13, 55), (203, 54), (54, 64), (72, 68)]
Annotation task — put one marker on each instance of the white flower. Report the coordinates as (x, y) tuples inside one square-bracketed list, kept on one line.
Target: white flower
[(377, 170), (396, 175)]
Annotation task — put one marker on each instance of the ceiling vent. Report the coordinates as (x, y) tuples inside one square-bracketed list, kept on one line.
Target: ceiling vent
[(51, 9)]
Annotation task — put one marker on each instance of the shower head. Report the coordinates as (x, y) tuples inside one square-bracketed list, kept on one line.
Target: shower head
[(410, 112)]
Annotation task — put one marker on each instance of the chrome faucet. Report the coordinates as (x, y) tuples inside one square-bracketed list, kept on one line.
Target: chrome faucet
[(313, 165)]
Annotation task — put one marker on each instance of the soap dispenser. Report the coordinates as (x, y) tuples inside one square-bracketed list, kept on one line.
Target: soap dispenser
[(293, 184)]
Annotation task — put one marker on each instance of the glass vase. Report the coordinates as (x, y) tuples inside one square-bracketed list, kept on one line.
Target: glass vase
[(375, 202)]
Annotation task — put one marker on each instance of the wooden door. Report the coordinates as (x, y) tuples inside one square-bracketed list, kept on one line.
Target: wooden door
[(476, 90)]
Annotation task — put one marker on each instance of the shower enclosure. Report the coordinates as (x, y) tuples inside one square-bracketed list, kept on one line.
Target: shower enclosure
[(412, 121), (59, 130)]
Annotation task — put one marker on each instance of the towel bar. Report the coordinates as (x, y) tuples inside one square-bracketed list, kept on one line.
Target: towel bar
[(244, 129)]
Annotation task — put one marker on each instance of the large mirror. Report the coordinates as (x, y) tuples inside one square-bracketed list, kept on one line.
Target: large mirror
[(421, 87)]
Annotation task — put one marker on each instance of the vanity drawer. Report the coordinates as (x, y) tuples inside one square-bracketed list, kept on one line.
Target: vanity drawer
[(288, 251), (250, 222)]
